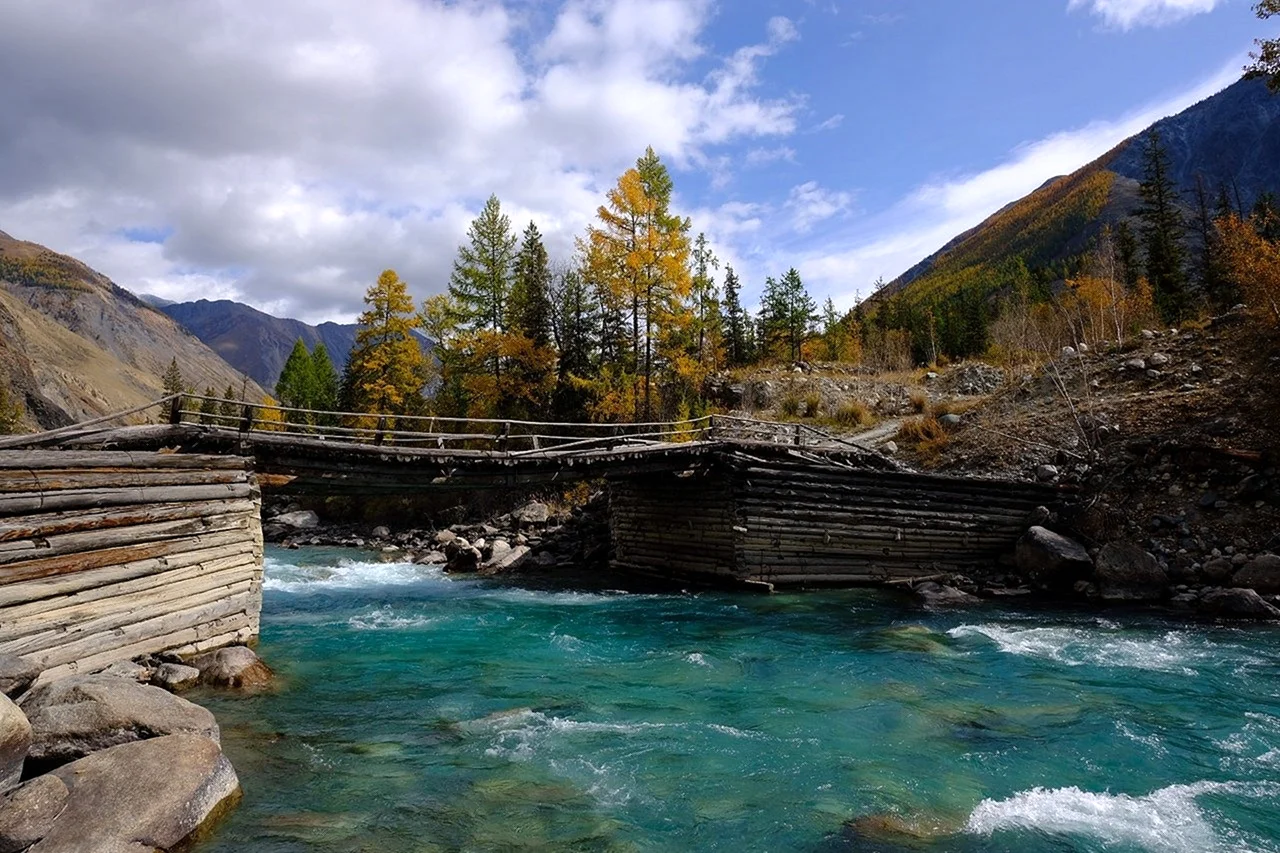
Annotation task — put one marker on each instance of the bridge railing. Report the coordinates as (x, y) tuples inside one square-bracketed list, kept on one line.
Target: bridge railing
[(510, 436)]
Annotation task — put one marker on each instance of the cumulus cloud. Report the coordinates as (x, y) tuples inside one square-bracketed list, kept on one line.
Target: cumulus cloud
[(284, 153), (1127, 14), (810, 204)]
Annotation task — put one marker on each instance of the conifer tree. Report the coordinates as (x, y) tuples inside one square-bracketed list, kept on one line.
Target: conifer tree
[(1163, 230), (296, 387), (209, 407), (481, 281), (441, 320), (386, 370), (531, 291), (787, 314), (229, 408), (577, 322), (706, 305), (736, 321), (172, 379), (326, 382), (1127, 254), (1213, 280)]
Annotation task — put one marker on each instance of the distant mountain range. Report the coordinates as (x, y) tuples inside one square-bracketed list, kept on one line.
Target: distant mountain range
[(1230, 140), (74, 345), (257, 343)]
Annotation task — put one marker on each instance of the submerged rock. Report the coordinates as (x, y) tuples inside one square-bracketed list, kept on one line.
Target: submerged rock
[(1127, 573), (16, 675), (28, 812), (1052, 561), (939, 595), (15, 741), (234, 666), (152, 795), (75, 716), (898, 830)]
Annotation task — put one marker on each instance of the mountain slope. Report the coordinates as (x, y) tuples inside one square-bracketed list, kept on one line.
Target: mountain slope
[(258, 343), (1231, 140), (74, 345)]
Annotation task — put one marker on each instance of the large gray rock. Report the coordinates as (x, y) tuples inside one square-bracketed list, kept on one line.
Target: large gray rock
[(174, 677), (303, 519), (28, 812), (75, 716), (16, 674), (514, 557), (140, 797), (15, 741), (130, 670), (1125, 572), (1261, 573), (234, 666), (1238, 603), (462, 557), (1052, 561), (534, 512)]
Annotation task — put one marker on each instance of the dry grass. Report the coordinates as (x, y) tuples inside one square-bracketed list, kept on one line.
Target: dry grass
[(852, 413), (926, 435), (919, 401), (812, 402), (789, 406)]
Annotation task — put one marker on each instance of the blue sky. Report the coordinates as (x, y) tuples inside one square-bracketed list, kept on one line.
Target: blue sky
[(282, 154)]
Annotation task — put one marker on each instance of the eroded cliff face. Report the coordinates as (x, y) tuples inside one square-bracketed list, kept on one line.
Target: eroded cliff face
[(74, 345)]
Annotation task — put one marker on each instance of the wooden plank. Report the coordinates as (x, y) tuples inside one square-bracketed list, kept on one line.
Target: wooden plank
[(25, 481), (53, 523), (72, 564), (91, 459), (84, 499)]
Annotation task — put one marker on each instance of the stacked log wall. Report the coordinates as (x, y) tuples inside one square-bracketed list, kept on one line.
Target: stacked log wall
[(108, 555), (806, 523), (675, 526)]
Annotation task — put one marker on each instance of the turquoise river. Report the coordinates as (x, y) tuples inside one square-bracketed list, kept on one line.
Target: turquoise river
[(417, 712)]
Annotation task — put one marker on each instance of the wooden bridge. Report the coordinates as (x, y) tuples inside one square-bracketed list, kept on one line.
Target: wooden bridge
[(719, 498)]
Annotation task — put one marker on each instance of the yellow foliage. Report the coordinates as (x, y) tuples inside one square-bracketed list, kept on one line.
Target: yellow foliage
[(268, 416), (1254, 266)]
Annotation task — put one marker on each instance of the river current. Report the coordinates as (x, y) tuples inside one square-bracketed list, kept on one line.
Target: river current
[(417, 712)]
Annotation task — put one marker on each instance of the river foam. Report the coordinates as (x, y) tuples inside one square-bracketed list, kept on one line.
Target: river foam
[(1169, 820), (1172, 652), (283, 576)]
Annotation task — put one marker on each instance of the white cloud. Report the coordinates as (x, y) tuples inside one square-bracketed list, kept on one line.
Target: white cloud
[(830, 123), (1127, 14), (810, 204), (296, 148), (766, 156)]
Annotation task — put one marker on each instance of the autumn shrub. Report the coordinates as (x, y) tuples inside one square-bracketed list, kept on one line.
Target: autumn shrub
[(789, 405), (852, 413), (925, 434), (812, 402), (1253, 264), (919, 401)]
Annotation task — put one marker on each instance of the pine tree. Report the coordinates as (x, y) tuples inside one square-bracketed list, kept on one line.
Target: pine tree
[(1212, 276), (736, 321), (1127, 253), (172, 379), (229, 407), (441, 320), (481, 287), (1163, 230), (787, 314), (296, 387), (706, 305), (577, 322), (386, 370), (326, 384), (530, 313), (209, 408)]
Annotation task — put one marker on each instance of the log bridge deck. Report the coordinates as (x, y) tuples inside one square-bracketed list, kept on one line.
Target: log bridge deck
[(721, 499)]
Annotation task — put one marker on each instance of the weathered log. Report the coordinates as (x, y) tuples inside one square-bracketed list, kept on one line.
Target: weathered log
[(19, 482), (73, 563), (54, 523), (93, 459), (160, 531), (83, 499)]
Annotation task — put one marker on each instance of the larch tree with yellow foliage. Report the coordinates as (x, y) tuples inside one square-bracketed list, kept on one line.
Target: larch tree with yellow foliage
[(640, 251), (386, 370)]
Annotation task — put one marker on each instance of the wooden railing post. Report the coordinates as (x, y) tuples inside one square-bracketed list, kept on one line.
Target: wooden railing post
[(504, 436), (175, 410), (798, 442), (380, 436), (246, 418)]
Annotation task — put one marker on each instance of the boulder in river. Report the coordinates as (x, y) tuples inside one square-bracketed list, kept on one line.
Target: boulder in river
[(939, 595), (175, 676), (75, 716), (1125, 572), (303, 519), (1238, 603), (15, 741), (462, 557), (16, 675), (1262, 573), (233, 666), (532, 513), (151, 795), (1052, 561)]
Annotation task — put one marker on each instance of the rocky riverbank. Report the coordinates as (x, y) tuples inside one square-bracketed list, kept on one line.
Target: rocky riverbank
[(115, 761)]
